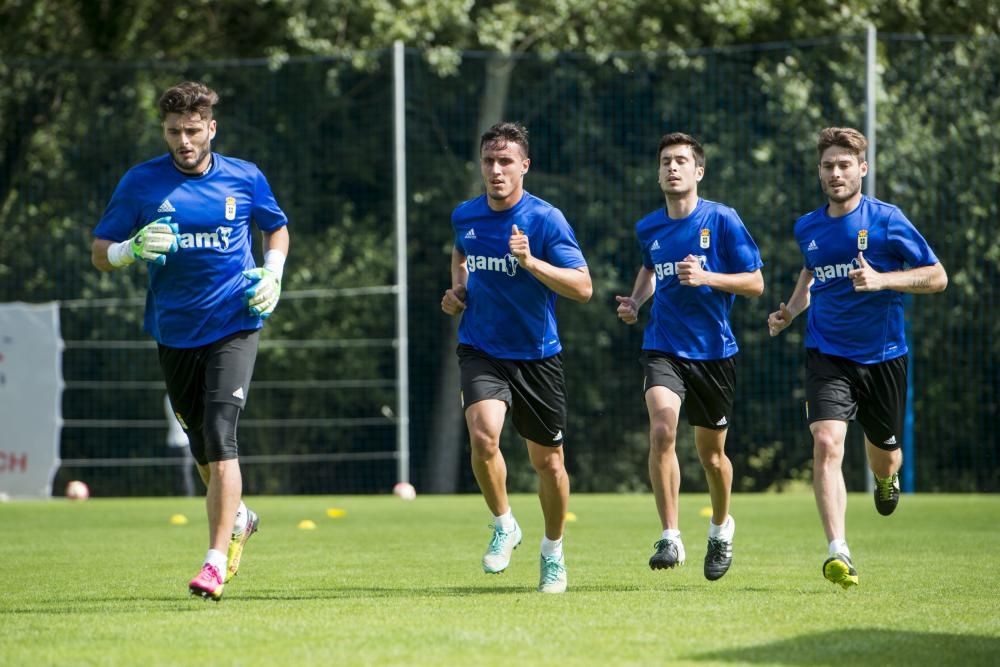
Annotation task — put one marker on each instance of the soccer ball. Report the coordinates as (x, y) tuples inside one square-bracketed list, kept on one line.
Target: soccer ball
[(404, 490), (77, 490)]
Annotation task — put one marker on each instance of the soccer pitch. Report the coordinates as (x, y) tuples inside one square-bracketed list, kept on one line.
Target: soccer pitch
[(104, 582)]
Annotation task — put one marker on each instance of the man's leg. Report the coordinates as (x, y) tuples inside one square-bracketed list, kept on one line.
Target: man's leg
[(885, 465), (711, 444), (831, 498), (553, 486), (553, 494), (665, 473), (485, 421)]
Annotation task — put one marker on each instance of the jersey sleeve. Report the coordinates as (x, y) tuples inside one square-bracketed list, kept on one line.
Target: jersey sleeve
[(266, 213), (562, 249), (907, 242), (742, 254), (122, 214)]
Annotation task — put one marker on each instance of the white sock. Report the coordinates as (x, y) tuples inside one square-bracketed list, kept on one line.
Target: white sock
[(240, 524), (505, 521), (671, 534), (552, 547), (217, 559), (839, 546), (725, 530)]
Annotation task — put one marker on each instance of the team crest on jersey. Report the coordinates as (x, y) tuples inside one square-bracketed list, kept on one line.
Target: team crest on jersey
[(230, 208), (862, 239), (706, 239)]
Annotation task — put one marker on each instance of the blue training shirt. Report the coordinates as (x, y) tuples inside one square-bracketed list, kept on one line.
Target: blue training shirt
[(693, 322), (196, 298), (866, 327), (509, 313)]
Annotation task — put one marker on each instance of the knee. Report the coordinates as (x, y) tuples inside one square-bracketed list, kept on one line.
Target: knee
[(711, 461), (550, 465), (662, 437), (827, 448), (485, 445)]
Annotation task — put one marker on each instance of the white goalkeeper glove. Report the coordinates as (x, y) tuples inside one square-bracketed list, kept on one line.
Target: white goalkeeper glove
[(151, 244), (263, 295)]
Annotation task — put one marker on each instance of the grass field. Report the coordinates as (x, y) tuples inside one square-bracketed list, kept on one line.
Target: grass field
[(397, 583)]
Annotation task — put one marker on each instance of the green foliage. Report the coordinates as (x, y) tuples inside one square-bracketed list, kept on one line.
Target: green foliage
[(597, 82)]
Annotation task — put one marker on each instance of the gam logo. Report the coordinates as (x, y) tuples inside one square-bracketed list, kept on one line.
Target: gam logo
[(217, 239), (824, 273), (666, 269), (506, 264)]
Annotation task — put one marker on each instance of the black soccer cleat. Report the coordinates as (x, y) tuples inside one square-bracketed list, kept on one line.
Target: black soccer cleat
[(718, 558), (669, 553), (887, 494)]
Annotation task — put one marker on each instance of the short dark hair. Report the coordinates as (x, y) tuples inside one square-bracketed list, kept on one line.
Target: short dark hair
[(187, 98), (675, 138), (501, 134), (844, 137)]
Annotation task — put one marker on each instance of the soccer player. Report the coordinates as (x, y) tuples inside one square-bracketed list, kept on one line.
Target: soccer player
[(696, 257), (187, 215), (513, 255), (861, 255)]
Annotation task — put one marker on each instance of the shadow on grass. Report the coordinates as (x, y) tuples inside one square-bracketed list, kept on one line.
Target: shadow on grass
[(861, 647)]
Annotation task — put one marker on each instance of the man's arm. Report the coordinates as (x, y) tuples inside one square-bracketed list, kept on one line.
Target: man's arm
[(642, 289), (453, 301), (691, 273), (798, 302), (572, 283), (920, 280), (151, 244)]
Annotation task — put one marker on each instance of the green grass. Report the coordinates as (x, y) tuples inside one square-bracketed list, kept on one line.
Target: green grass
[(396, 583)]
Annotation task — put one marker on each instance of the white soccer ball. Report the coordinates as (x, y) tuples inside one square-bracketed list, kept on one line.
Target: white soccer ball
[(77, 490), (404, 490)]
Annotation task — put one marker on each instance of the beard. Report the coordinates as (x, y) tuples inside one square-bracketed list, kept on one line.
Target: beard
[(851, 188), (192, 161)]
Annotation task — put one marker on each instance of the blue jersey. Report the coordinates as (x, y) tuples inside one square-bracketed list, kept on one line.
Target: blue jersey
[(693, 322), (509, 313), (866, 327), (196, 298)]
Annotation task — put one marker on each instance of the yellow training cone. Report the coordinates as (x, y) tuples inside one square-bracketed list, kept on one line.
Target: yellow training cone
[(705, 512), (336, 513), (178, 520), (307, 524), (570, 516)]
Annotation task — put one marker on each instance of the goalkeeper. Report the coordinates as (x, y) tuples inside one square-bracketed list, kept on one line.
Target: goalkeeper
[(187, 215)]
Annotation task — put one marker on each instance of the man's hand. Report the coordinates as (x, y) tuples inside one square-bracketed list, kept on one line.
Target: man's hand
[(628, 309), (154, 241), (262, 296), (865, 278), (779, 319), (453, 301), (691, 273), (519, 247)]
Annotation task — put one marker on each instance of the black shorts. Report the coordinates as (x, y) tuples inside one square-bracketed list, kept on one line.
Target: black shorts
[(706, 387), (215, 373), (534, 390), (874, 394)]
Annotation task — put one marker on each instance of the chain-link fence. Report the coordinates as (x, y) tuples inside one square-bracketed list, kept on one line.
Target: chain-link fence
[(320, 413)]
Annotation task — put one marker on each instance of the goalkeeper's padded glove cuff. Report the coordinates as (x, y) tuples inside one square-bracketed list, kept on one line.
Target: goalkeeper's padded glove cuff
[(120, 254)]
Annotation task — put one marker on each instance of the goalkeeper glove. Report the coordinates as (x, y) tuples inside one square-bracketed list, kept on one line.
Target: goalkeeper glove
[(151, 244), (262, 296)]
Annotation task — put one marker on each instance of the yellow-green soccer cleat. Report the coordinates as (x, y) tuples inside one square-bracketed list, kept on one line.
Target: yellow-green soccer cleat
[(237, 543), (886, 494), (839, 569)]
